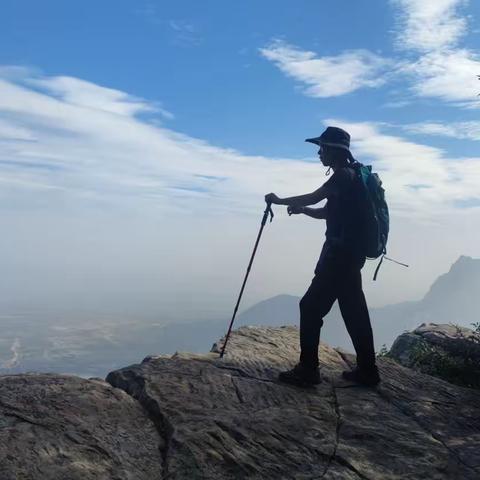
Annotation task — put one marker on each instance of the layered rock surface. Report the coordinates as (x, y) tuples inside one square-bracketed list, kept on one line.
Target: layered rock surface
[(202, 417), (59, 427), (230, 419)]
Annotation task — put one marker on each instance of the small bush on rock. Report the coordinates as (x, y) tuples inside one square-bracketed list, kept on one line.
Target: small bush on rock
[(460, 367)]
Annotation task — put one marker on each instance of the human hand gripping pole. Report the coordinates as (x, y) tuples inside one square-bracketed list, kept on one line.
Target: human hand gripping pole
[(268, 211)]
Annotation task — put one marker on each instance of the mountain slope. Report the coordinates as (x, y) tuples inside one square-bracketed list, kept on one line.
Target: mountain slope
[(455, 295)]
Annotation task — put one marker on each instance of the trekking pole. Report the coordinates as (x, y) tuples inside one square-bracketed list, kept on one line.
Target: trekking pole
[(268, 211)]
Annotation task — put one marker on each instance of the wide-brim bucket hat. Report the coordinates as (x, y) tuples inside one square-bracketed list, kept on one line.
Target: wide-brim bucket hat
[(333, 137)]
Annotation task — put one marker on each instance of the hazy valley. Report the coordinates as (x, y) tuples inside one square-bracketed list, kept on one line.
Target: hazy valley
[(95, 347)]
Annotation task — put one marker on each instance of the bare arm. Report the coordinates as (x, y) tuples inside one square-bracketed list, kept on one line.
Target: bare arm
[(307, 199), (319, 213)]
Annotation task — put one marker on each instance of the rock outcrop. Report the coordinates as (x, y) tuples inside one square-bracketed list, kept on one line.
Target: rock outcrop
[(452, 339), (201, 417), (58, 427), (230, 419), (449, 352)]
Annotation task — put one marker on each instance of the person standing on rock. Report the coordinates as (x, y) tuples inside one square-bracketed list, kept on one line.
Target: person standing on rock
[(337, 274)]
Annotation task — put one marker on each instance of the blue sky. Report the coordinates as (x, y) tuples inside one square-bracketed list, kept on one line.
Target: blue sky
[(201, 61), (175, 116)]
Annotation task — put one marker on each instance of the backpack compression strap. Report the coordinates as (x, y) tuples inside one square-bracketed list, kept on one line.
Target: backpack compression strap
[(380, 262)]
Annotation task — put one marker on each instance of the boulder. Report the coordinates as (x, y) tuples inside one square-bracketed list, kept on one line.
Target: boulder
[(57, 427), (454, 340)]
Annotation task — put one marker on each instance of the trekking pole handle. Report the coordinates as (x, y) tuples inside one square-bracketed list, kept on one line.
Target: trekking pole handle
[(268, 211)]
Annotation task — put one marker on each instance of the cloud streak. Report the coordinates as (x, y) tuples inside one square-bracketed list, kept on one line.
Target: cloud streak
[(458, 130), (434, 28), (85, 94), (328, 76), (428, 25), (442, 181), (103, 148), (431, 30), (450, 76), (58, 142)]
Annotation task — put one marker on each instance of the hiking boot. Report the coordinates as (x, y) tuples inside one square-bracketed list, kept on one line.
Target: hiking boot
[(370, 377), (301, 376)]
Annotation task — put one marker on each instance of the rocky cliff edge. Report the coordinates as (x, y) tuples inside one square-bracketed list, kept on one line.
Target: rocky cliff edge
[(201, 417)]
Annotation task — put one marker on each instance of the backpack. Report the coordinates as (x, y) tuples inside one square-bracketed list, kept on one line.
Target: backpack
[(376, 219)]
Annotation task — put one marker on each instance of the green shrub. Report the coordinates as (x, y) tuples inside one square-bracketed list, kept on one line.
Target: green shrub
[(461, 368)]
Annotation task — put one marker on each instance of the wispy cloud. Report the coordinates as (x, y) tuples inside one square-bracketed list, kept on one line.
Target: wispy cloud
[(431, 30), (434, 28), (328, 76), (105, 150), (14, 132), (445, 181), (61, 146), (397, 104), (426, 25), (182, 32), (448, 75), (185, 33), (459, 130), (89, 95)]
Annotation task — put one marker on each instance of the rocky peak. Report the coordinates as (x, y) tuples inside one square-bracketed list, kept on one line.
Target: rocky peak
[(464, 273), (451, 294)]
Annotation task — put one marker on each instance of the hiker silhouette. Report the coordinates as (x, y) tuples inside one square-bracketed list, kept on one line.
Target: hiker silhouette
[(338, 271)]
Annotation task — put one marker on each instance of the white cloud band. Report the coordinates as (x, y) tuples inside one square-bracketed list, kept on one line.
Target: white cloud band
[(328, 76)]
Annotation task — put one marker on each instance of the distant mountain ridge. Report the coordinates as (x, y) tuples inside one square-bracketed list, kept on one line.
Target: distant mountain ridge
[(458, 288), (278, 310), (452, 298)]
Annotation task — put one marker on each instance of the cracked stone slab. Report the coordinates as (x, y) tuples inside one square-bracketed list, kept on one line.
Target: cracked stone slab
[(229, 418), (57, 427)]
